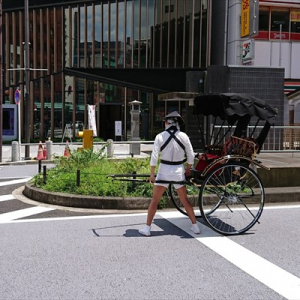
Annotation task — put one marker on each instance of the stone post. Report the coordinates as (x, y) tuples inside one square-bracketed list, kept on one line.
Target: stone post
[(49, 149), (15, 151), (110, 148), (135, 111)]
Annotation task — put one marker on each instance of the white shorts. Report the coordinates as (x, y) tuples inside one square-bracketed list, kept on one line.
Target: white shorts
[(175, 177)]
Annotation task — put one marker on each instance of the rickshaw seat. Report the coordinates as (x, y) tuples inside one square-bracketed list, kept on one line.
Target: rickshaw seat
[(240, 146)]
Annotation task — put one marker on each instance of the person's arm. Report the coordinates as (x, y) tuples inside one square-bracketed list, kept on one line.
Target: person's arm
[(152, 174), (154, 159), (190, 156)]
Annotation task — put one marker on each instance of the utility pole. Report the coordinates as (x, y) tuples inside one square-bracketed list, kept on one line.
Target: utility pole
[(1, 81), (280, 30), (280, 23), (27, 105)]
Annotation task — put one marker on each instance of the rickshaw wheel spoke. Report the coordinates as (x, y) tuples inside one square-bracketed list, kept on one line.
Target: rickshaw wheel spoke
[(234, 203)]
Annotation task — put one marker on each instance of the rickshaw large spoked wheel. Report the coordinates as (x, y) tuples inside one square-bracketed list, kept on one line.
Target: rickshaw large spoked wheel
[(234, 197), (193, 196)]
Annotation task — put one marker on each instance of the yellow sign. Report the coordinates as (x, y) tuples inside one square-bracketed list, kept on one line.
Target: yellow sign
[(295, 15), (245, 18)]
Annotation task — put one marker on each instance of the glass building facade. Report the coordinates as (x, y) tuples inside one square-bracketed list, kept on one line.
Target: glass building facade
[(103, 53)]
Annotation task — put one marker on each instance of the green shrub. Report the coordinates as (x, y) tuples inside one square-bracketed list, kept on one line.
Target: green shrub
[(95, 169)]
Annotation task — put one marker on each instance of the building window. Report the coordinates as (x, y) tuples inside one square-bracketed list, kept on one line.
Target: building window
[(276, 20), (264, 18), (280, 16)]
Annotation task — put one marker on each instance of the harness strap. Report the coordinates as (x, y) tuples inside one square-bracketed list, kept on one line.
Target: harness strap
[(166, 162), (172, 130)]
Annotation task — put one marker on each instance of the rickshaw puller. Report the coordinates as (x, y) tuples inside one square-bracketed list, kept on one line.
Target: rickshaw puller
[(174, 145)]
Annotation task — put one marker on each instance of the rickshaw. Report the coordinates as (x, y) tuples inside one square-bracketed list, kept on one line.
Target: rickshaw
[(224, 187)]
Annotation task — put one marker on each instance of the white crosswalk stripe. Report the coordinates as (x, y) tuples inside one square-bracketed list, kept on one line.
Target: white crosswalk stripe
[(6, 198), (16, 181), (10, 216)]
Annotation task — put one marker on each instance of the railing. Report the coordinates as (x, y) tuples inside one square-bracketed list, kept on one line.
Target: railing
[(280, 138)]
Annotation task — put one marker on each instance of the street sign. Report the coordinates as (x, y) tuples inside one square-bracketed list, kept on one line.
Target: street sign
[(17, 96)]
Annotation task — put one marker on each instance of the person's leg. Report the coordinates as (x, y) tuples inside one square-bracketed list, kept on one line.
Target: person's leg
[(157, 194), (189, 208), (158, 191)]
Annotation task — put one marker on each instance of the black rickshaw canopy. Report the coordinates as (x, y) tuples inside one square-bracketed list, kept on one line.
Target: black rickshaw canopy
[(232, 106), (235, 109)]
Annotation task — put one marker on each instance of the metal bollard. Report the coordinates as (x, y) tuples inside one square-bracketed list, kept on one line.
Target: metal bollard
[(14, 151), (110, 148), (78, 178), (44, 174), (40, 166), (49, 149)]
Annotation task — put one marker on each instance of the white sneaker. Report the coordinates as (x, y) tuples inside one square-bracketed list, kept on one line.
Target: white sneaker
[(145, 231), (195, 228)]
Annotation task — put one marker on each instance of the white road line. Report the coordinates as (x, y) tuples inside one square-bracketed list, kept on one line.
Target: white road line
[(15, 181), (282, 207), (6, 197), (10, 216), (279, 280)]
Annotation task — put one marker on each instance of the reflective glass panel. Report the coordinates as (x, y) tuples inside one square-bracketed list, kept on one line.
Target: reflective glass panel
[(98, 34), (121, 35)]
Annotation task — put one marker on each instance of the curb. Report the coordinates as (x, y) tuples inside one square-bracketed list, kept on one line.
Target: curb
[(80, 201), (282, 195)]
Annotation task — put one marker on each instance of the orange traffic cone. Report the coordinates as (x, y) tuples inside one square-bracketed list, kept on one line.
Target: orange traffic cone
[(40, 154), (67, 150)]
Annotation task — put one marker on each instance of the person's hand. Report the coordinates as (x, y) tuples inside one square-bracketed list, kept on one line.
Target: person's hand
[(152, 178), (188, 171)]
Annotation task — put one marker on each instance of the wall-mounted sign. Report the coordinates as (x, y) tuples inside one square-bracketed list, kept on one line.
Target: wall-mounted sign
[(118, 128), (295, 15), (249, 18), (245, 18), (248, 50)]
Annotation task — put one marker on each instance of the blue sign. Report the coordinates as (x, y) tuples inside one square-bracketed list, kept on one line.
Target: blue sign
[(17, 96)]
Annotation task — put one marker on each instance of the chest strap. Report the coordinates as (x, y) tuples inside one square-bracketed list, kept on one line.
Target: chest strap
[(172, 130)]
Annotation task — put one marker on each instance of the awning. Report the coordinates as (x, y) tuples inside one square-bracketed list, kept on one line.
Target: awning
[(156, 81)]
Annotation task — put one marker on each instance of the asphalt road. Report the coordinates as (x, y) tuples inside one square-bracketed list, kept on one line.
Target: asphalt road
[(52, 253)]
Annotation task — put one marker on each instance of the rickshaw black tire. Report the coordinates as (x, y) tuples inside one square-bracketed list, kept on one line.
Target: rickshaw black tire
[(177, 203), (231, 199)]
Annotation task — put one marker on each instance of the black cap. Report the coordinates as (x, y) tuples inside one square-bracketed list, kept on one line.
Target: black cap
[(175, 116)]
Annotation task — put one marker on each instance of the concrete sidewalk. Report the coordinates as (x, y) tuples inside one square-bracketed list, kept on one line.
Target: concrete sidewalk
[(119, 151)]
